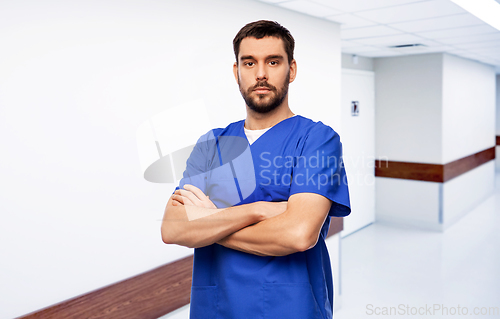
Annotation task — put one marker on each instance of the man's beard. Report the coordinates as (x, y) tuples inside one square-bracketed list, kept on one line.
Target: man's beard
[(258, 104)]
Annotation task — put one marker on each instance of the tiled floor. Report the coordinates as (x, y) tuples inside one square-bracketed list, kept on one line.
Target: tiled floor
[(423, 274)]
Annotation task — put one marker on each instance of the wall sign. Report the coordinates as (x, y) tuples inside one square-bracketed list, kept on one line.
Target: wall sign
[(355, 108)]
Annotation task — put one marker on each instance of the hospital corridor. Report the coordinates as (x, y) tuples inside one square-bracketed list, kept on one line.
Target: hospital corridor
[(386, 266), (378, 119)]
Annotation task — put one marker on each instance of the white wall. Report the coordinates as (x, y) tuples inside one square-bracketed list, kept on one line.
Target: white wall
[(359, 147), (497, 159), (433, 108), (498, 120), (468, 107), (429, 205), (363, 63), (408, 97), (463, 193), (408, 203), (76, 80), (359, 141), (468, 127), (498, 104)]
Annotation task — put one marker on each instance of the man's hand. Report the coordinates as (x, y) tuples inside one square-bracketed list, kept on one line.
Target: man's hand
[(192, 220), (191, 196)]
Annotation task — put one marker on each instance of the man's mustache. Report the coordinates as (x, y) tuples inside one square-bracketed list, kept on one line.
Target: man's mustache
[(263, 84)]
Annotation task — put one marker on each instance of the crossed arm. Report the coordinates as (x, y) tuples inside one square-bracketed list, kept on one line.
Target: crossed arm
[(260, 228)]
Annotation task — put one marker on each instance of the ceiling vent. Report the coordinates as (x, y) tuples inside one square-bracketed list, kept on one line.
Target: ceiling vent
[(407, 48)]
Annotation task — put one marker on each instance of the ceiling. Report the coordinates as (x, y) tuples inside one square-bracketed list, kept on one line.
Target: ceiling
[(372, 28)]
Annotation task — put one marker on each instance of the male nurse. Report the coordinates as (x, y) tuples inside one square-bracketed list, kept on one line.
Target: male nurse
[(257, 197)]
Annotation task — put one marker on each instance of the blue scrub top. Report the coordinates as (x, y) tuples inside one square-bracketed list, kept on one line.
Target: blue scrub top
[(296, 155)]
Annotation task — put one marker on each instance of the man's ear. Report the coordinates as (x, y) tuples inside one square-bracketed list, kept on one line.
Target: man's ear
[(235, 71), (293, 70)]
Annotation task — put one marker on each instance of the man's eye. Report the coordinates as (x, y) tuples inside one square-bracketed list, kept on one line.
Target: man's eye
[(249, 63), (273, 62)]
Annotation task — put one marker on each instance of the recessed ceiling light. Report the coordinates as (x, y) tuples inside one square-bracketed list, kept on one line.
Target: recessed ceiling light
[(413, 47), (407, 46), (486, 10)]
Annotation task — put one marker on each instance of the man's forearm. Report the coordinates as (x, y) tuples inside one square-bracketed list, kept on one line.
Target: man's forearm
[(271, 237), (194, 227), (296, 230)]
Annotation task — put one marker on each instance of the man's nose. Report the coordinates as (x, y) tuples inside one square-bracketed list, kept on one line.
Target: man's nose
[(261, 72)]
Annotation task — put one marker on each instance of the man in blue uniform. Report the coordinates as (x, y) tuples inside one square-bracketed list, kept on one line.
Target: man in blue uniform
[(257, 197)]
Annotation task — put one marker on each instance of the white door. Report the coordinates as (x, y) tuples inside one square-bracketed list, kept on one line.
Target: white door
[(358, 141)]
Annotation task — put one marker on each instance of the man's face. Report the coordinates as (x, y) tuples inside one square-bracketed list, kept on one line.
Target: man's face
[(263, 73)]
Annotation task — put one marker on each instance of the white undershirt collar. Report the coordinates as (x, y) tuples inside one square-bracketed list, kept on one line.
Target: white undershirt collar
[(253, 135)]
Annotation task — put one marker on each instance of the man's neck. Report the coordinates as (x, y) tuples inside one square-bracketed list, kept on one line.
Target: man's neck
[(259, 121)]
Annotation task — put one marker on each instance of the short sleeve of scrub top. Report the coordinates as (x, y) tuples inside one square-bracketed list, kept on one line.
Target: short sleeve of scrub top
[(197, 164), (320, 169)]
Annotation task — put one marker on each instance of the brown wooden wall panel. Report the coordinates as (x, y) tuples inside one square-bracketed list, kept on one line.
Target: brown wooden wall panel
[(465, 164), (408, 170), (336, 226), (148, 295), (498, 140), (433, 172)]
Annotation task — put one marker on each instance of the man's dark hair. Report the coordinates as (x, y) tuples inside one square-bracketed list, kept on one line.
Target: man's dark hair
[(265, 28)]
